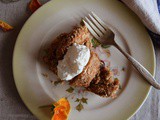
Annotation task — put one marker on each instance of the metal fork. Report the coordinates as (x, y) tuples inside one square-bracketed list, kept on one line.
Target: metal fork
[(106, 37)]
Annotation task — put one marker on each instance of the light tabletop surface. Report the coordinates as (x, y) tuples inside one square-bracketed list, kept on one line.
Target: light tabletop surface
[(11, 105)]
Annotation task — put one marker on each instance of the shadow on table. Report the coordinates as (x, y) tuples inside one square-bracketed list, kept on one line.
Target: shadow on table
[(9, 96)]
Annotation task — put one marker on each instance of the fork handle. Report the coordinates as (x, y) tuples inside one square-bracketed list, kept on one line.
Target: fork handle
[(139, 68)]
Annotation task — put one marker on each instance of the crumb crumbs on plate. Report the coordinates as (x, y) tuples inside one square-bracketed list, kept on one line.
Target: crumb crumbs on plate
[(45, 75)]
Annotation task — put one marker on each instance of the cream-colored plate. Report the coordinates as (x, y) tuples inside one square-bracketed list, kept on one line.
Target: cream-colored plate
[(59, 16)]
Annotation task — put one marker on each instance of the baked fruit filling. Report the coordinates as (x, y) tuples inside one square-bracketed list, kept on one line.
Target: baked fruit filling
[(95, 77)]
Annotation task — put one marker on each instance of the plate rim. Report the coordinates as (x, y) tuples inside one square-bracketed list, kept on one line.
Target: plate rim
[(153, 71)]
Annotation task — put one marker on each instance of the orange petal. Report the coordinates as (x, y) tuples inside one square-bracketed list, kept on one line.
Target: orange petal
[(4, 26), (61, 110), (64, 102), (34, 5), (60, 113)]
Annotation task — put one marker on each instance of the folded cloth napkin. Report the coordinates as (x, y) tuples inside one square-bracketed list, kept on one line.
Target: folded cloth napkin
[(147, 11), (158, 1)]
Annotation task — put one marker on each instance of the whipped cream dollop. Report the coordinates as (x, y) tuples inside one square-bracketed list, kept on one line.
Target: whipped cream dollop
[(73, 62)]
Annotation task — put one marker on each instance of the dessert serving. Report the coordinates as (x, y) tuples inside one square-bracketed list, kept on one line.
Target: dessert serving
[(72, 58), (63, 72)]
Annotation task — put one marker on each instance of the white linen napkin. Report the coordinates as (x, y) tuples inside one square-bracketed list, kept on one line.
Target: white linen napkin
[(147, 10)]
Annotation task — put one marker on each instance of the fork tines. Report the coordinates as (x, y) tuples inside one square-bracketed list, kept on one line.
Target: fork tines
[(95, 25)]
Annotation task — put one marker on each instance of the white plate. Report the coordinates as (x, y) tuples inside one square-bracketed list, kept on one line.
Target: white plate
[(56, 17)]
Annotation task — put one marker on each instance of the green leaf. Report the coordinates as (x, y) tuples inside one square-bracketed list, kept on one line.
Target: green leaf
[(120, 87), (52, 108), (79, 107), (123, 69), (95, 42), (57, 82), (70, 90), (82, 23), (77, 100), (105, 46), (45, 106), (116, 79), (84, 100)]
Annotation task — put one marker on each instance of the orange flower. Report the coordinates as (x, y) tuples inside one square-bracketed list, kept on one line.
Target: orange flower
[(34, 5), (60, 113), (63, 102), (61, 110), (4, 26)]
